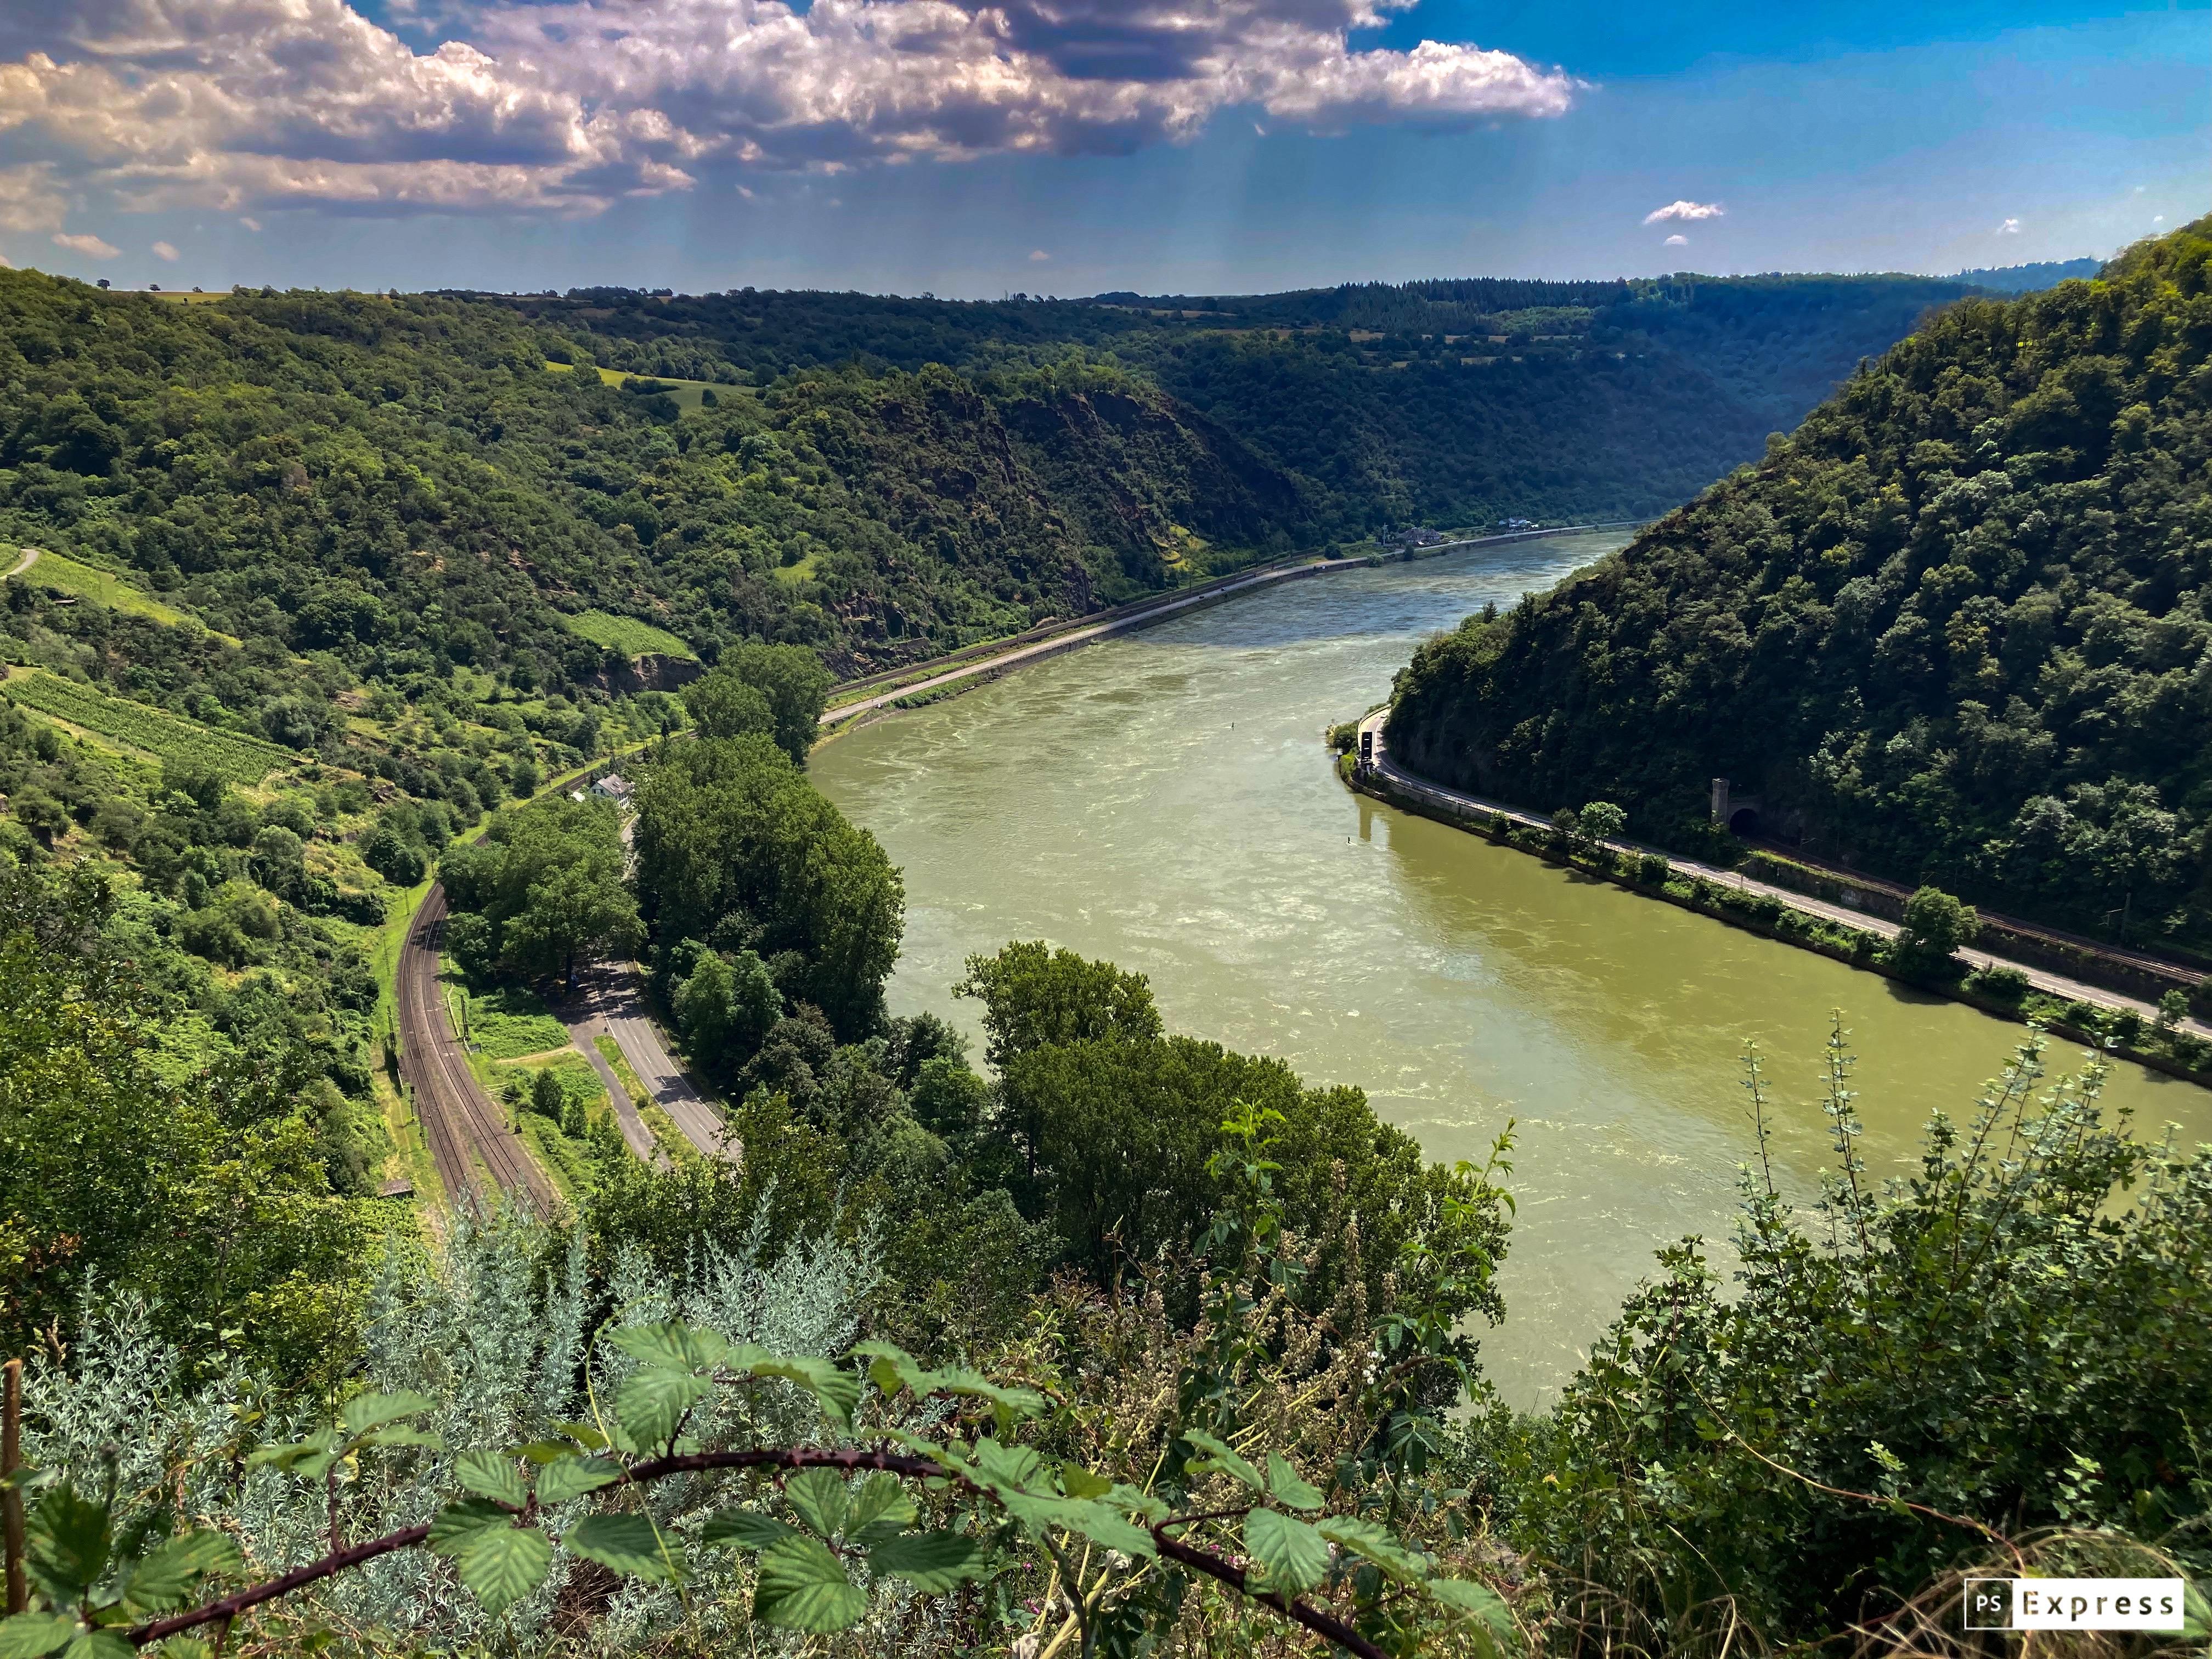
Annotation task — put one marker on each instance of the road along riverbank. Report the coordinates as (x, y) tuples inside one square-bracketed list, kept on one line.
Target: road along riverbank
[(2072, 1007), (977, 665)]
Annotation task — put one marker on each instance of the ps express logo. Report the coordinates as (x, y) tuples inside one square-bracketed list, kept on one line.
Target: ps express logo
[(2150, 1604)]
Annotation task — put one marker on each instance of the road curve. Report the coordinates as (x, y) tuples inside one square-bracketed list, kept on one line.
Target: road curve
[(467, 1130)]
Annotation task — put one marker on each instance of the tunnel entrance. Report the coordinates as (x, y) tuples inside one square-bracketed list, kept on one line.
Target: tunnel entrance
[(1744, 821)]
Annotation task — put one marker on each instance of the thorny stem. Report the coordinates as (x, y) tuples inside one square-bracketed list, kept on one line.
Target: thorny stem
[(223, 1610), (1321, 1624)]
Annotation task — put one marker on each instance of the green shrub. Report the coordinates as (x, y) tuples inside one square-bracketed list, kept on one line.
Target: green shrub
[(2001, 984)]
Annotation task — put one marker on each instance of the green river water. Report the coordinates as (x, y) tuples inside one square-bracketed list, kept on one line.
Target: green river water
[(1163, 800)]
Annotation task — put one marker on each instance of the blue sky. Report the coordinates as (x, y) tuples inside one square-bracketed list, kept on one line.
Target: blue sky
[(1088, 144)]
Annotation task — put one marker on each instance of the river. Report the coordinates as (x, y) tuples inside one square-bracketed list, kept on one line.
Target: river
[(1163, 800)]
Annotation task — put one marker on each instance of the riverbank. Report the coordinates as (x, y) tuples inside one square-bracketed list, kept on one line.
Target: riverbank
[(921, 683), (2008, 988)]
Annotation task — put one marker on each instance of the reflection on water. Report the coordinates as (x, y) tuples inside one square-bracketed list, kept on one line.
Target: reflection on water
[(1163, 800)]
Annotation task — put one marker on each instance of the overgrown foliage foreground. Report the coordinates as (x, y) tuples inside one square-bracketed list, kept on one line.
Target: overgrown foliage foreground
[(657, 1479), (2001, 1362)]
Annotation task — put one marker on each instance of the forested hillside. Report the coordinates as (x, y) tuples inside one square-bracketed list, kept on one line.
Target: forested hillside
[(1954, 629), (1451, 402)]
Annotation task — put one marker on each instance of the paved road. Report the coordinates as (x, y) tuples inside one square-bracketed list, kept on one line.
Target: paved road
[(614, 995), (1069, 640), (30, 557), (1155, 613), (581, 1015), (465, 1126), (2042, 979)]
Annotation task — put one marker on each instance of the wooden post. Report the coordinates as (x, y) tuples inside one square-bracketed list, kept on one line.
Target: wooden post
[(11, 1501)]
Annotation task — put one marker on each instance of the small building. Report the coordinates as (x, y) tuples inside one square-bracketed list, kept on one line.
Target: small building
[(615, 788)]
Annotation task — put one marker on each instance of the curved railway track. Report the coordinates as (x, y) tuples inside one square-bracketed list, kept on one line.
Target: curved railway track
[(467, 1130)]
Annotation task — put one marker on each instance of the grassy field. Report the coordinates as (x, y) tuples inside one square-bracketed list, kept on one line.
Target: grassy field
[(508, 1023), (793, 574), (688, 394), (150, 731), (627, 634), (66, 575)]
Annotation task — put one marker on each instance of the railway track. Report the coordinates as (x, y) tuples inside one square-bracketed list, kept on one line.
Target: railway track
[(467, 1130)]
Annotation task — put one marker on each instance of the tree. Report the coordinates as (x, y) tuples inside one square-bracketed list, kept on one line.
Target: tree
[(1033, 995), (725, 1008), (1600, 821), (569, 916), (724, 704), (737, 849), (1935, 925), (547, 1097), (207, 1194), (547, 881), (788, 687)]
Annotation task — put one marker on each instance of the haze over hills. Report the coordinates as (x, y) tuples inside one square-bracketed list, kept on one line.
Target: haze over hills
[(1953, 628)]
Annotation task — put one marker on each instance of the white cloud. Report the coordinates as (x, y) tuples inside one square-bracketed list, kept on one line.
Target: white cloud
[(1687, 211), (165, 251), (567, 105), (2157, 218), (1677, 241), (2009, 227), (29, 200), (1039, 255), (89, 245), (249, 221)]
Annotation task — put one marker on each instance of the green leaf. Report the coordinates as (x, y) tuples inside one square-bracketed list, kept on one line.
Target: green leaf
[(1292, 1554), (933, 1561), (67, 1545), (34, 1635), (401, 1435), (98, 1644), (673, 1346), (748, 1529), (462, 1520), (584, 1435), (1373, 1543), (653, 1402), (818, 1498), (837, 1389), (1008, 1465), (571, 1477), (1129, 1501), (880, 1508), (1222, 1457), (493, 1475), (1288, 1488), (1467, 1596), (627, 1543), (365, 1412), (1092, 1519), (164, 1575), (802, 1586), (502, 1565), (1078, 1482), (310, 1459), (2196, 1612), (891, 1368)]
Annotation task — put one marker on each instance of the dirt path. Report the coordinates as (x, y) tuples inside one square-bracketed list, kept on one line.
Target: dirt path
[(2042, 979), (462, 1123), (30, 557)]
